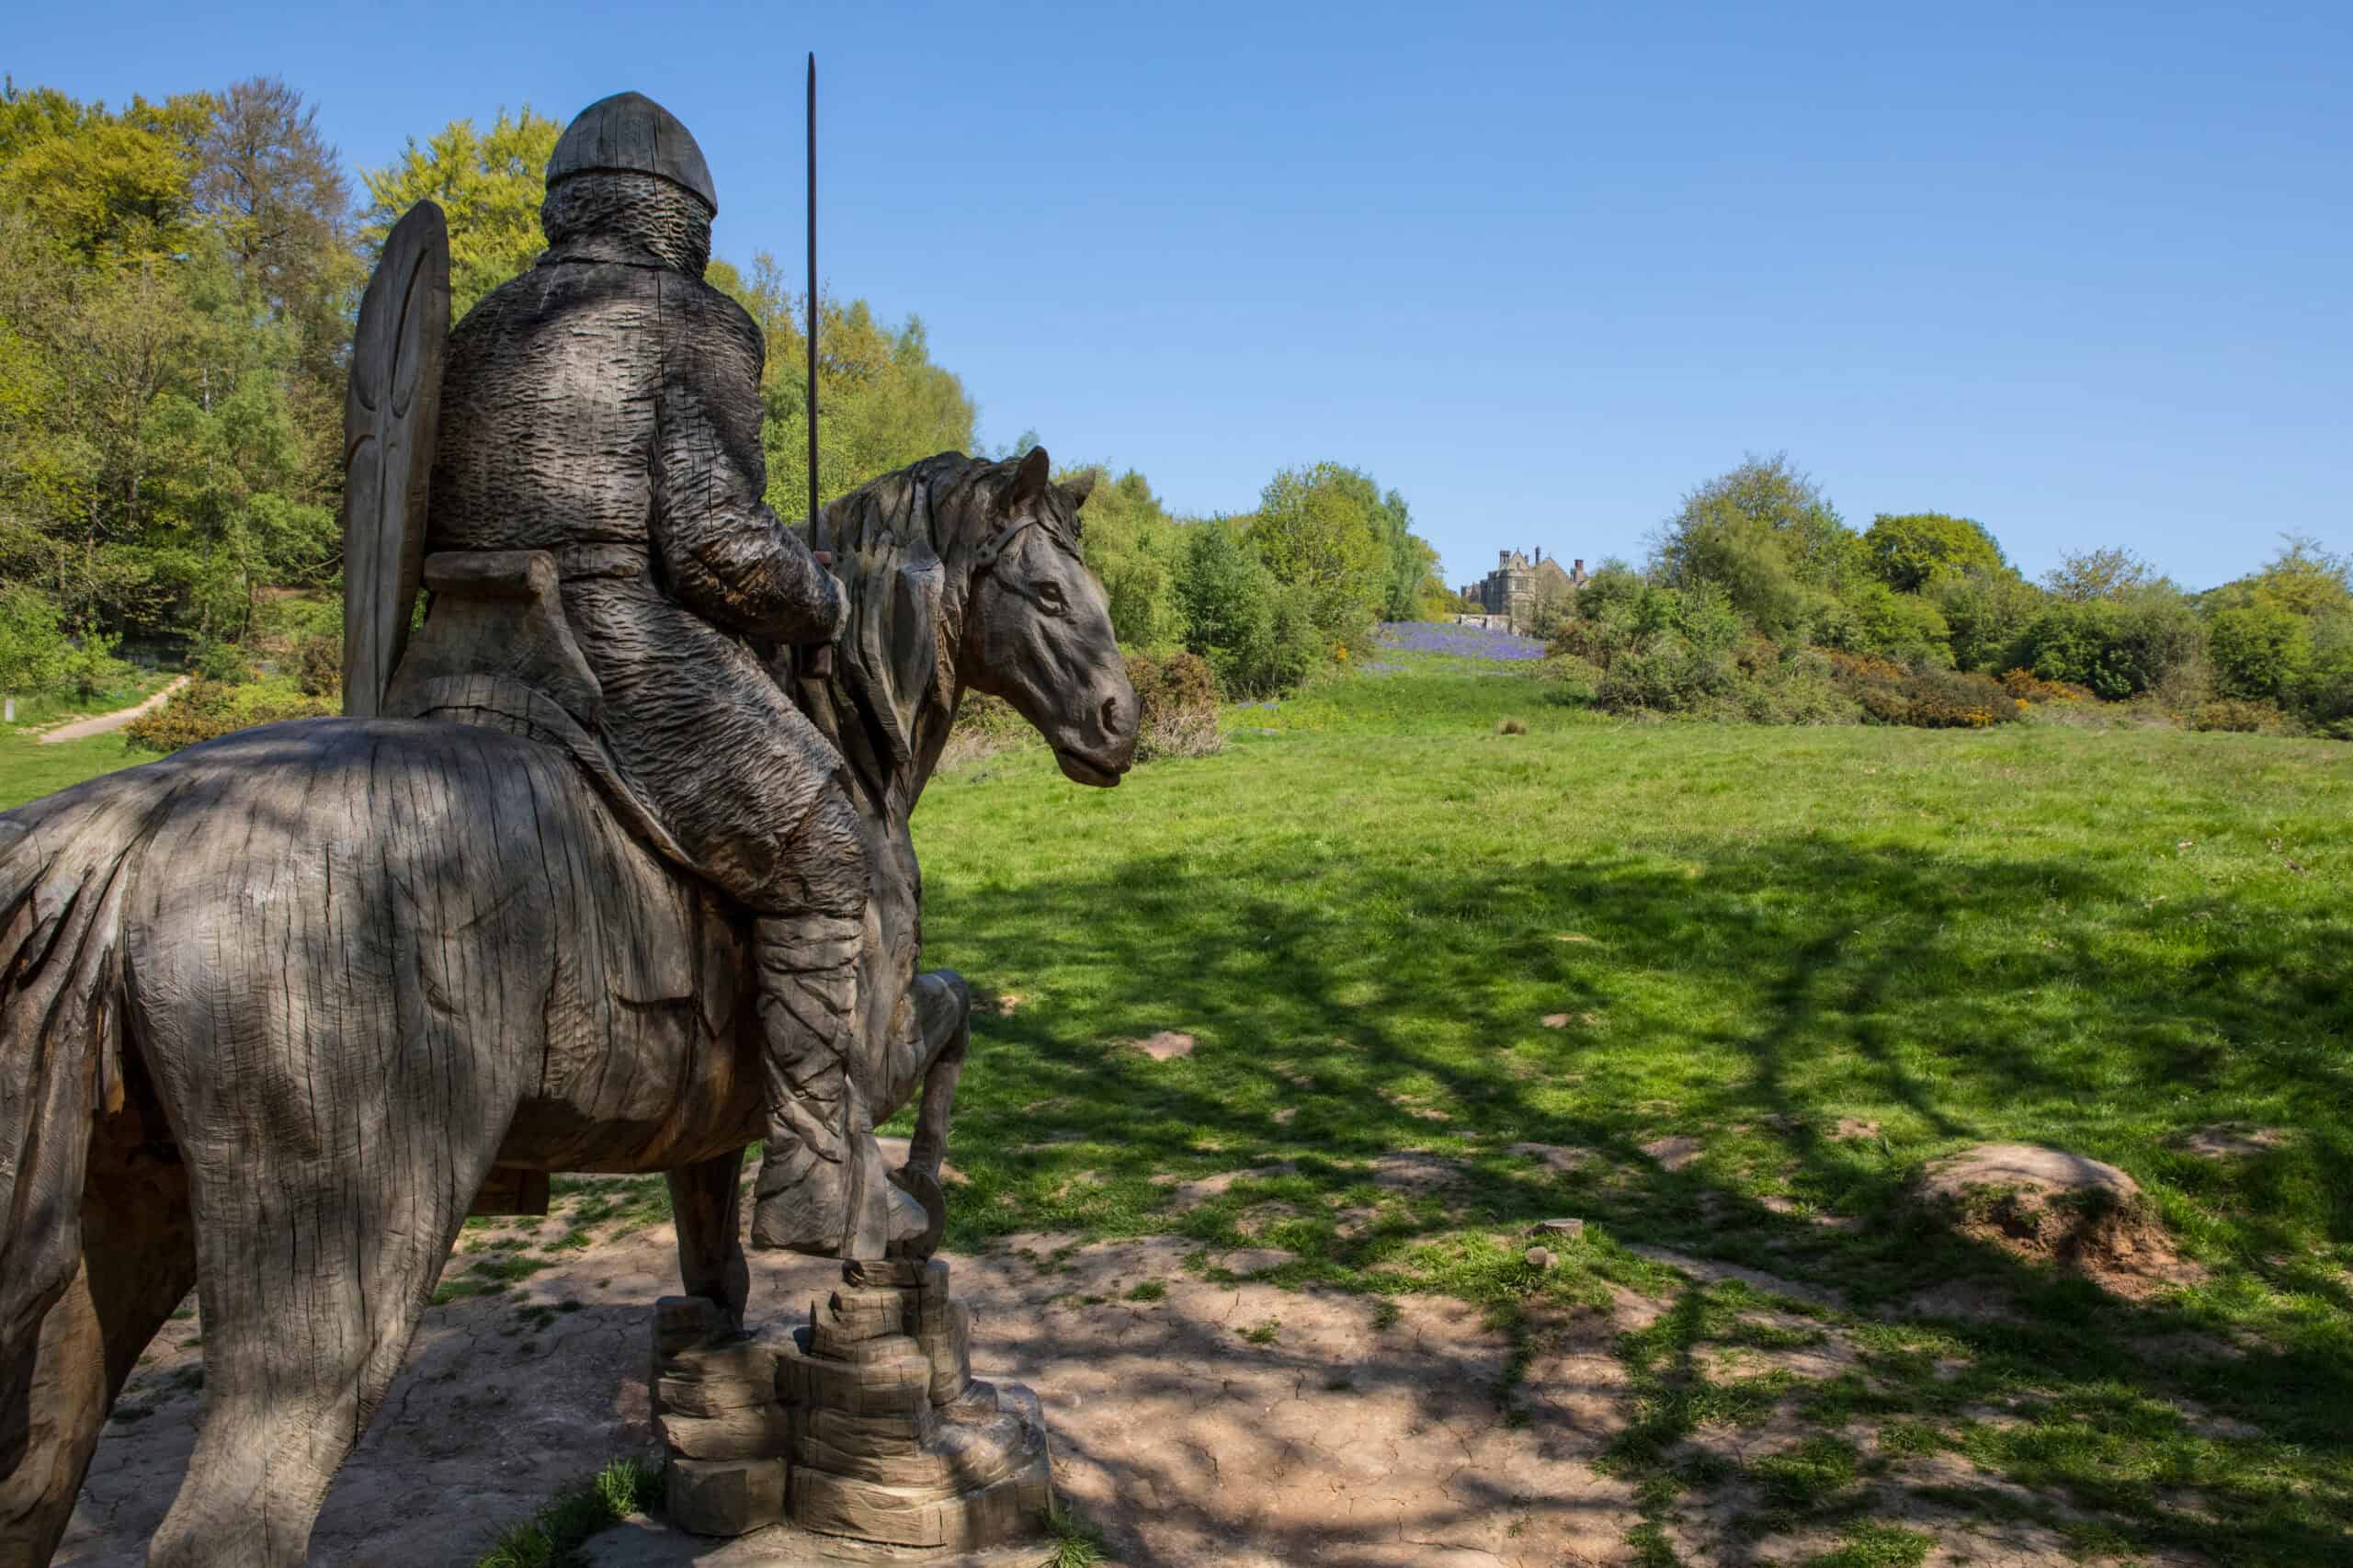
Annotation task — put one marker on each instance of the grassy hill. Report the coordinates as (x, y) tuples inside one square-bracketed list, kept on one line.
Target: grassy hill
[(1402, 941)]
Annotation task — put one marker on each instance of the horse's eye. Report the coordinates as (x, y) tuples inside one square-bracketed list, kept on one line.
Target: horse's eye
[(1049, 594)]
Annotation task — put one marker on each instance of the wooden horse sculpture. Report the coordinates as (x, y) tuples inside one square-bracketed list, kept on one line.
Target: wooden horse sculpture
[(275, 1010)]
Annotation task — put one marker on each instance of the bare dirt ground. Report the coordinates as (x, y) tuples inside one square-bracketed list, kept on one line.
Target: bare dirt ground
[(1195, 1422), (1335, 1441)]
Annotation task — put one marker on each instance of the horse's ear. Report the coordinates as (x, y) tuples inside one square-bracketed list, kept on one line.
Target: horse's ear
[(1029, 479), (1080, 488)]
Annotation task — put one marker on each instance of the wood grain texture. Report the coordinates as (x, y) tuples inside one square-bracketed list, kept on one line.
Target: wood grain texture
[(391, 412), (274, 1009)]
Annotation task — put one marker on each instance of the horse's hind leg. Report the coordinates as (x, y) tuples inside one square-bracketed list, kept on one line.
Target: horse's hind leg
[(311, 1286), (138, 1263), (706, 1201)]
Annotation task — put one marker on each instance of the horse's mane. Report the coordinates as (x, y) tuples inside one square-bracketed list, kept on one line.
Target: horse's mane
[(903, 546), (944, 499)]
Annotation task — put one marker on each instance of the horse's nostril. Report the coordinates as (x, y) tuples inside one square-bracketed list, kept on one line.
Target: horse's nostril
[(1110, 715)]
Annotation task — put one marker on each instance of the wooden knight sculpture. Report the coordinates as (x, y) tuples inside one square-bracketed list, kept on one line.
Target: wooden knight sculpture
[(602, 413), (597, 873)]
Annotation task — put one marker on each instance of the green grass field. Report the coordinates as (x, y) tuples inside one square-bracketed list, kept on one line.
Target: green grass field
[(1368, 906)]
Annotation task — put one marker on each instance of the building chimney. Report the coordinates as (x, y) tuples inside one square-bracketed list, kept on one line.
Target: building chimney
[(1580, 567)]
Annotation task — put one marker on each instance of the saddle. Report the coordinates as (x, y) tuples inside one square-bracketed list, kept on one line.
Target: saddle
[(496, 650)]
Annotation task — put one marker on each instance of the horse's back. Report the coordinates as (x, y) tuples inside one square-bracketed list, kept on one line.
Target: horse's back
[(353, 938)]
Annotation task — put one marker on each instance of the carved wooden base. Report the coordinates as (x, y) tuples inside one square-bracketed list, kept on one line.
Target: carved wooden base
[(863, 1430)]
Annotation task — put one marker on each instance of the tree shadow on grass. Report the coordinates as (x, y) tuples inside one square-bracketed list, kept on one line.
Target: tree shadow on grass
[(1751, 995)]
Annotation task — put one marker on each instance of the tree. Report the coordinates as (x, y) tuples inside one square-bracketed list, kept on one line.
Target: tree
[(1766, 535), (1907, 551), (489, 186), (1135, 551), (1323, 531), (1901, 626), (2259, 651), (1987, 610), (2119, 646), (2097, 574), (2300, 577), (1257, 637), (101, 186)]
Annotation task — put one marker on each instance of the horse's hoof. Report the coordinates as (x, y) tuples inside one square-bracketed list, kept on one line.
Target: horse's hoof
[(924, 1187)]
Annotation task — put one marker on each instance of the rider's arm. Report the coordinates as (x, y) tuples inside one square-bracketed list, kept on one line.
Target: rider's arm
[(730, 560)]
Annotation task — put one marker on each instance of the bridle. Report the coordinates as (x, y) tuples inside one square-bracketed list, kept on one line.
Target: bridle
[(998, 542)]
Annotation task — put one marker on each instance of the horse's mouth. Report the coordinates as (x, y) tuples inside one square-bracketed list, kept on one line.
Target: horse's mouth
[(1080, 768)]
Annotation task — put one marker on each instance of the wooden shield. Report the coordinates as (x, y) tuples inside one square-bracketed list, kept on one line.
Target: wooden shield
[(390, 408)]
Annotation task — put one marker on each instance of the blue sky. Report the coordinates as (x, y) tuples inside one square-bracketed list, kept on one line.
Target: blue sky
[(2080, 272)]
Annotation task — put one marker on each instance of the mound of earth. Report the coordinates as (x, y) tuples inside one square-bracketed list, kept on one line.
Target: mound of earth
[(2048, 1206)]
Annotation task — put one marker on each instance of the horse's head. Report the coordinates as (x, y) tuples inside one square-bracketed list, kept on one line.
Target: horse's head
[(1037, 633)]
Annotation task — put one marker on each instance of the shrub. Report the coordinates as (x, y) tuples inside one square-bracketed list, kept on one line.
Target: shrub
[(1176, 700), (984, 725), (2260, 651), (318, 663), (2118, 647), (2028, 687), (2240, 715), (205, 709), (40, 658), (2325, 697), (221, 664), (1923, 698), (1260, 639), (1902, 627), (1987, 612)]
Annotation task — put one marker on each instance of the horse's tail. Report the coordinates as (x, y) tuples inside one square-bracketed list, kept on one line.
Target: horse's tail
[(64, 866)]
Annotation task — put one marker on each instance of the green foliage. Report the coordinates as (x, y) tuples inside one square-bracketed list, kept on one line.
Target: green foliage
[(1900, 626), (1909, 550), (2284, 635), (2325, 696), (551, 1538), (1986, 611), (1258, 639), (206, 709), (2119, 646), (102, 187), (170, 386), (1764, 534), (1327, 535), (488, 184), (2260, 651), (2108, 573), (38, 658), (1136, 550), (882, 401)]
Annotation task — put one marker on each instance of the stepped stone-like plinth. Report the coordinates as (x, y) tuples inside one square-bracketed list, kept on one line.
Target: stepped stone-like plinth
[(863, 1432)]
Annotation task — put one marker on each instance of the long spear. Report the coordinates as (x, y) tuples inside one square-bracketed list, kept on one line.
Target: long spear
[(820, 662)]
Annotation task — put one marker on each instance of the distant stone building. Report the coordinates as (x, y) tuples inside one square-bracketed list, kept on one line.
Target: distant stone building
[(1509, 595)]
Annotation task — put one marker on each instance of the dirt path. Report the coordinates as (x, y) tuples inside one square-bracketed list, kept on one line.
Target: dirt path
[(99, 724), (1198, 1424)]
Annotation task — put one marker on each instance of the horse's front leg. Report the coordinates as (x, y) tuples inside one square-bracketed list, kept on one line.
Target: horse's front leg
[(706, 1199), (946, 1032), (940, 1026)]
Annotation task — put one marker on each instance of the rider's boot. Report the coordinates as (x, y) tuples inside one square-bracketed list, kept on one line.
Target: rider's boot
[(823, 1187)]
